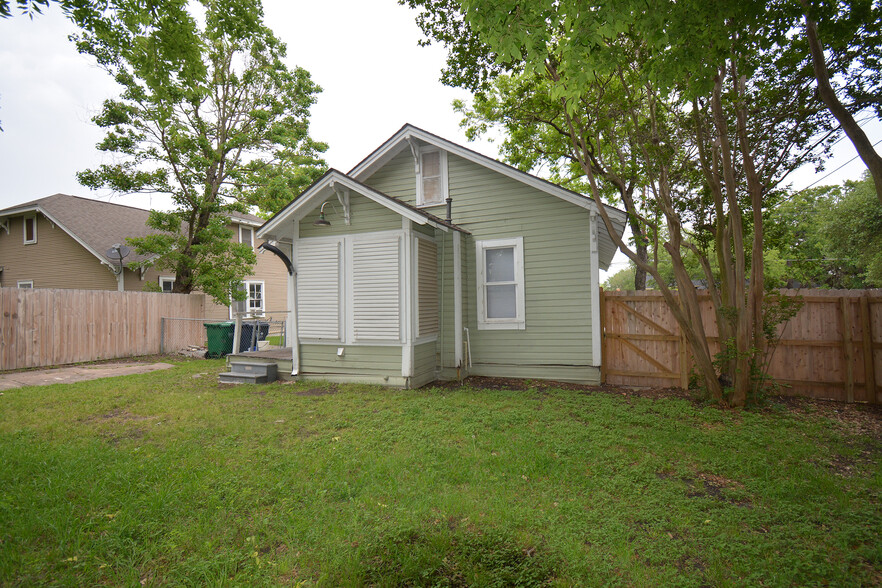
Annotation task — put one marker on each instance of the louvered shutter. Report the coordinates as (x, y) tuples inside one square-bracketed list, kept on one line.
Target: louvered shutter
[(318, 290), (427, 287), (376, 289)]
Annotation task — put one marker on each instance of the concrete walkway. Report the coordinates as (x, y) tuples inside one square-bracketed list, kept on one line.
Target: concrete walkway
[(80, 373)]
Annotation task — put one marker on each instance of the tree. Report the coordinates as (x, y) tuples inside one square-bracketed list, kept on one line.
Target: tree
[(712, 92), (853, 32), (209, 114)]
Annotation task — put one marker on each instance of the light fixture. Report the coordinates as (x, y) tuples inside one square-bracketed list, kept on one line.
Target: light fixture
[(321, 221)]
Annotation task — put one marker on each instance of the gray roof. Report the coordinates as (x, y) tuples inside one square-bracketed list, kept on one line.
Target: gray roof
[(98, 225)]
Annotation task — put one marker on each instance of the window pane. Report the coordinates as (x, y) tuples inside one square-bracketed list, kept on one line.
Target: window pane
[(255, 296), (501, 301), (500, 265), (246, 236), (431, 165), (29, 228), (432, 190)]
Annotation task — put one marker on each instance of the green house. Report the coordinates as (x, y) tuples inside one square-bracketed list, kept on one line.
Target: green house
[(429, 261)]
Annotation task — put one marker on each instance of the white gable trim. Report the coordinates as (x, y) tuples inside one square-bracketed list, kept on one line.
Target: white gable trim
[(396, 143), (322, 190)]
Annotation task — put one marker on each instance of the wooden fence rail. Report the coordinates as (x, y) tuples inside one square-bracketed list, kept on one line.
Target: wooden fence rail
[(54, 327), (832, 348)]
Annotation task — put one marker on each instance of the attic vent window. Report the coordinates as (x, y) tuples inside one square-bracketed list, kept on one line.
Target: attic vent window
[(432, 180), (30, 230)]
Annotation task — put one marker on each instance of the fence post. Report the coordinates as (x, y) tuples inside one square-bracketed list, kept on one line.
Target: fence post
[(603, 357), (869, 360)]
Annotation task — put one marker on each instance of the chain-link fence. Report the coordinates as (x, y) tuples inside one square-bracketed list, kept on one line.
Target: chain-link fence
[(207, 337)]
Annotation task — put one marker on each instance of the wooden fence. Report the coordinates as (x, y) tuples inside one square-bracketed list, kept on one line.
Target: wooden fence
[(53, 327), (831, 349)]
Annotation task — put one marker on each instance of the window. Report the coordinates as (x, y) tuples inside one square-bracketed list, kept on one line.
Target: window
[(432, 180), (26, 284), (254, 304), (246, 236), (500, 266), (167, 283), (30, 230)]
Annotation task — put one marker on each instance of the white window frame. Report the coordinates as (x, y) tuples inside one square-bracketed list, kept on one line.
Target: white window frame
[(262, 310), (518, 321), (242, 229), (443, 170), (24, 229), (25, 284), (163, 280)]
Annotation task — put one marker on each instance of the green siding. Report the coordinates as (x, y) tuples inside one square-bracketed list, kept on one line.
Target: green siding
[(374, 360), (424, 361), (556, 343), (366, 215)]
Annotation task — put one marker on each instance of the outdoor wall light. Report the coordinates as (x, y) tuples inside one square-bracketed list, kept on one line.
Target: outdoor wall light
[(321, 221)]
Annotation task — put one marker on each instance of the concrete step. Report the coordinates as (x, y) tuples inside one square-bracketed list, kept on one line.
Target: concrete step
[(268, 369), (242, 378)]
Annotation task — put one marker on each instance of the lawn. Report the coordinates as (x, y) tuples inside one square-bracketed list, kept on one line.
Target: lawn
[(169, 478)]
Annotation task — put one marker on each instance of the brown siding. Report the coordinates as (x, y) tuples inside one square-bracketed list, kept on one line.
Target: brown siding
[(55, 261)]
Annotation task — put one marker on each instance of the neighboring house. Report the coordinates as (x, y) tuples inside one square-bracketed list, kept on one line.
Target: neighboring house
[(62, 242), (388, 291)]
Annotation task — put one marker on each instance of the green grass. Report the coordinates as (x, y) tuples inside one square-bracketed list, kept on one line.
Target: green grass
[(167, 478)]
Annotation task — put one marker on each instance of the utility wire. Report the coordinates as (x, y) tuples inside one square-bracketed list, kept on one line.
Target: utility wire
[(822, 178)]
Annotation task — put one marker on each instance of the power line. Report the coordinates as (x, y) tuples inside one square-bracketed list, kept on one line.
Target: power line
[(822, 178)]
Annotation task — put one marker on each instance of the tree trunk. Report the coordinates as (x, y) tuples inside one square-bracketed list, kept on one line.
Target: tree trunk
[(640, 273), (855, 133)]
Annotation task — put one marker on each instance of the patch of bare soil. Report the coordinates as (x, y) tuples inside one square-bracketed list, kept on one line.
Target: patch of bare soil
[(317, 391), (489, 383)]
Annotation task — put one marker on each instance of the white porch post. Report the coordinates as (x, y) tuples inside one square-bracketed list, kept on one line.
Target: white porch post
[(407, 294), (595, 292), (457, 299)]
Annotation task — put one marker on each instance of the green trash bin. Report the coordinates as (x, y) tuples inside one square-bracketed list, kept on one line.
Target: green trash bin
[(220, 338)]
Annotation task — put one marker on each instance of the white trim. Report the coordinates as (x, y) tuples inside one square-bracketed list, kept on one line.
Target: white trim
[(25, 284), (24, 229), (519, 321), (165, 279), (408, 132), (243, 228), (442, 176), (291, 328), (595, 293), (407, 366), (457, 299), (313, 197)]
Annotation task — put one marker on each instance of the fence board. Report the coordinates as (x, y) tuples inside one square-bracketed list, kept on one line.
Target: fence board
[(41, 327), (832, 348)]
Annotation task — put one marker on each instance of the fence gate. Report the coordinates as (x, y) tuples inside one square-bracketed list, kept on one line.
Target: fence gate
[(642, 345)]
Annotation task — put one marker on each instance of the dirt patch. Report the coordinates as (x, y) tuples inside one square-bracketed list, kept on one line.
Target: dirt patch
[(122, 415), (317, 391)]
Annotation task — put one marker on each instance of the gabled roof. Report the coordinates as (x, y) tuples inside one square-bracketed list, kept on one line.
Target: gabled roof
[(389, 149), (96, 225), (322, 188)]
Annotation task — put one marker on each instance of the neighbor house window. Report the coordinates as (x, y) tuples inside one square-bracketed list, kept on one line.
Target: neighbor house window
[(167, 283), (30, 230), (432, 180), (26, 284), (246, 236), (255, 301), (500, 265)]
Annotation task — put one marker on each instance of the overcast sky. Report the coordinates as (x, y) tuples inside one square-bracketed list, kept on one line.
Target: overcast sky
[(364, 54)]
